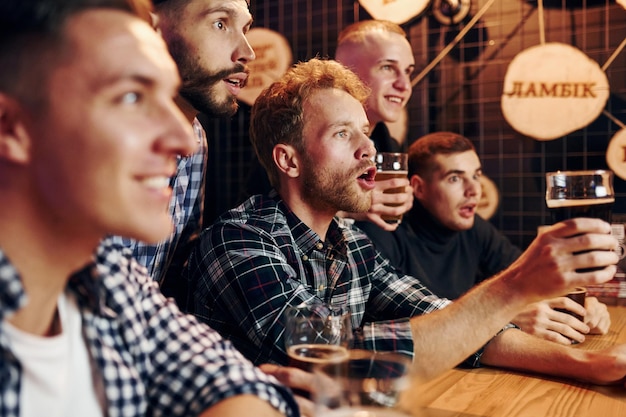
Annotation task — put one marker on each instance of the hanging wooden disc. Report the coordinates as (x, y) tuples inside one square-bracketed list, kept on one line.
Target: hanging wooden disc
[(489, 199), (553, 89), (616, 154), (397, 11), (273, 59)]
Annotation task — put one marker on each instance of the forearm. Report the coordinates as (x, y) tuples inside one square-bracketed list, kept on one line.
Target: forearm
[(445, 338), (520, 351)]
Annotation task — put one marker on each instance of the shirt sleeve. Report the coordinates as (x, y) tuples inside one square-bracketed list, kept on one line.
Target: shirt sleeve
[(395, 295), (191, 367)]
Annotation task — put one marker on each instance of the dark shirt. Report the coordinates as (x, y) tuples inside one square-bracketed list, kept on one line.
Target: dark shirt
[(448, 262), (383, 141)]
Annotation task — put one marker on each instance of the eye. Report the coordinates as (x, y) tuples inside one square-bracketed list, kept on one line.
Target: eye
[(130, 97), (343, 134), (454, 178), (219, 24)]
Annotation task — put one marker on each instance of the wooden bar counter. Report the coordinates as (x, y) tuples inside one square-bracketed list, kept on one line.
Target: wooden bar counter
[(503, 393)]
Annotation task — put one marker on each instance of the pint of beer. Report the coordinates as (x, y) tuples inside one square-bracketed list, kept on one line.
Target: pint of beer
[(572, 194), (391, 165), (317, 333)]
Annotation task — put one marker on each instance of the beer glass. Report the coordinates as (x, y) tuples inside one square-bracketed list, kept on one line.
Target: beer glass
[(317, 333), (572, 194), (391, 165)]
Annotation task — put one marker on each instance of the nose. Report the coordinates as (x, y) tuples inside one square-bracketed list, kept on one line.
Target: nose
[(474, 187), (177, 135), (366, 149), (244, 52), (403, 82)]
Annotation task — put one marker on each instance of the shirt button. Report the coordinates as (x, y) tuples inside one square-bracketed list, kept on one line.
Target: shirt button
[(322, 287), (319, 245), (305, 258)]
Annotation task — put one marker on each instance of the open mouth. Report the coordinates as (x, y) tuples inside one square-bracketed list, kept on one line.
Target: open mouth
[(369, 174), (468, 210), (237, 80)]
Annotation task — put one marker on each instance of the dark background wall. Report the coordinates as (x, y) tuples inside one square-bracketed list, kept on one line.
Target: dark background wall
[(462, 93)]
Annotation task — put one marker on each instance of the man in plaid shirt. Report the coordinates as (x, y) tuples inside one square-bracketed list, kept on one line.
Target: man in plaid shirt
[(309, 132), (89, 136), (207, 39)]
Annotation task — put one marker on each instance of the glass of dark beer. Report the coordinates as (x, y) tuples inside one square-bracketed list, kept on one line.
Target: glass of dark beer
[(317, 333), (572, 194)]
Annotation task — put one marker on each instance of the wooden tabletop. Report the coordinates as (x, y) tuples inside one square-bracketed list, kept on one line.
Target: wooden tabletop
[(503, 393)]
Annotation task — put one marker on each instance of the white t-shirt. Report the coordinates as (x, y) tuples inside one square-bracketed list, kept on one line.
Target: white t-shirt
[(57, 376)]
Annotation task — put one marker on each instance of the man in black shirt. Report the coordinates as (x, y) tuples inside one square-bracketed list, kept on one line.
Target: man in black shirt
[(443, 240)]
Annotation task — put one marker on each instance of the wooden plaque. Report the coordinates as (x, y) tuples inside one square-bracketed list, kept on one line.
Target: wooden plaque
[(553, 89)]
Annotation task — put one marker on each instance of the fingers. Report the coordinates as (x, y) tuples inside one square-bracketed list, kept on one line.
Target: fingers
[(568, 305), (600, 243), (596, 276), (294, 378), (393, 191), (392, 183), (542, 320), (597, 318), (390, 204), (578, 226)]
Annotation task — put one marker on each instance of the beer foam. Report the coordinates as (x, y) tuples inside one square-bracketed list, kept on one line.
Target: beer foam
[(579, 203)]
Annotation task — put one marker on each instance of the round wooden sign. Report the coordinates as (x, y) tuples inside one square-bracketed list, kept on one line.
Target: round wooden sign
[(273, 59), (489, 200), (396, 11), (616, 154), (551, 90)]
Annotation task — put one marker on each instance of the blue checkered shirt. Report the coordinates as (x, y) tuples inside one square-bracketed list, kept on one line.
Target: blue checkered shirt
[(259, 258), (185, 207), (152, 359)]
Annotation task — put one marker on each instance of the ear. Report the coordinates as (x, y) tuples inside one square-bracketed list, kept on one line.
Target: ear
[(14, 138), (286, 159), (154, 20), (417, 183)]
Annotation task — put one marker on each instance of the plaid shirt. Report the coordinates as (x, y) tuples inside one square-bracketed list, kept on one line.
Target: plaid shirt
[(185, 207), (259, 258), (152, 359)]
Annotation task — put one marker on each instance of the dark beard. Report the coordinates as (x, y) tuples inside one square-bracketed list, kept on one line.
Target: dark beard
[(198, 83)]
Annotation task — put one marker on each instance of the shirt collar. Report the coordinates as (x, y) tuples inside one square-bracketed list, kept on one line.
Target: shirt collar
[(306, 239), (88, 283), (12, 294)]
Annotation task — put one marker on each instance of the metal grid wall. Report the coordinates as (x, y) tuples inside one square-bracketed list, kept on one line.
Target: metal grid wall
[(462, 93)]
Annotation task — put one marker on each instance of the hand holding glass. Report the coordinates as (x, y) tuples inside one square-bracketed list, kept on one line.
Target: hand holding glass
[(391, 165)]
